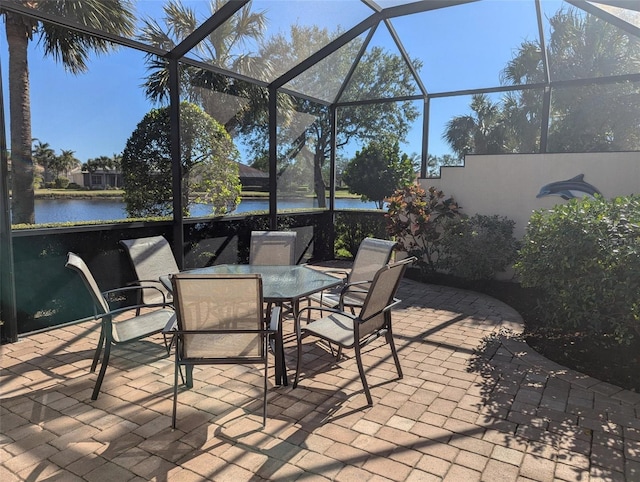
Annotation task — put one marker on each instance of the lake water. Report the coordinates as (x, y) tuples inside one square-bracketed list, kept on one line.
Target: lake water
[(64, 210)]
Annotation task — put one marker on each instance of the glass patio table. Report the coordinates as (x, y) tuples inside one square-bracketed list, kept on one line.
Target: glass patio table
[(280, 285)]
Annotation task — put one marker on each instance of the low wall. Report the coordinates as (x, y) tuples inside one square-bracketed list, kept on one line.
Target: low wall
[(508, 184)]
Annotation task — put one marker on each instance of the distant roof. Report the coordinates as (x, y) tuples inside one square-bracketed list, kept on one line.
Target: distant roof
[(248, 171)]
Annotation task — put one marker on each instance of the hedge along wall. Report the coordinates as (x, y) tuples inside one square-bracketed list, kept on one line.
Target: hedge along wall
[(508, 184)]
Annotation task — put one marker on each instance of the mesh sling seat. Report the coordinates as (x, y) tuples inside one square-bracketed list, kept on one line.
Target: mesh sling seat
[(151, 258), (219, 320), (272, 248), (347, 330), (372, 255), (115, 327)]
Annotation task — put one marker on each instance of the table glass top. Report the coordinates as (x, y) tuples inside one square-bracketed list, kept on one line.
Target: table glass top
[(280, 282)]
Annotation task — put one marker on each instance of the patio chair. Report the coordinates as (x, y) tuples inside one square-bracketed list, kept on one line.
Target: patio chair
[(273, 248), (219, 320), (347, 330), (372, 255), (151, 258), (116, 329)]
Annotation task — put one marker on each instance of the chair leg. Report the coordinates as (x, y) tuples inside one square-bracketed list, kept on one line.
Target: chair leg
[(394, 352), (338, 352), (96, 355), (189, 375), (170, 344), (264, 400), (362, 377), (175, 395), (103, 370), (299, 351)]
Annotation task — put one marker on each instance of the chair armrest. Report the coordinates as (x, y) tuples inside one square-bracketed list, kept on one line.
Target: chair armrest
[(107, 293), (138, 281), (322, 309), (337, 272), (353, 288), (274, 324), (171, 326), (124, 309)]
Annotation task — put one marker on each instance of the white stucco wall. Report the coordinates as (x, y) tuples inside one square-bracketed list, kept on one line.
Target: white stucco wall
[(507, 184)]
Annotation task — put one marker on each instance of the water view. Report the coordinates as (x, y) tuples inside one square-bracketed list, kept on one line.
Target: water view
[(64, 210)]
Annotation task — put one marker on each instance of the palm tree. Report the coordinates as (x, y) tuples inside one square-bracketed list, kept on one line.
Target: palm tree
[(72, 49), (44, 155), (584, 118), (482, 132), (218, 48), (65, 162)]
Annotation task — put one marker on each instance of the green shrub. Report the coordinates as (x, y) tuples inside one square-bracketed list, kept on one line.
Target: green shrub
[(61, 182), (477, 247), (585, 257), (353, 228), (415, 219)]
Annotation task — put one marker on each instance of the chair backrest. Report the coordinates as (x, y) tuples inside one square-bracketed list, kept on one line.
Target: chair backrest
[(77, 264), (372, 255), (151, 258), (272, 248), (380, 295), (223, 308)]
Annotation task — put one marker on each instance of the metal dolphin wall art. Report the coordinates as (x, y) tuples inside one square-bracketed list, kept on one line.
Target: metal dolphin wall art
[(569, 189)]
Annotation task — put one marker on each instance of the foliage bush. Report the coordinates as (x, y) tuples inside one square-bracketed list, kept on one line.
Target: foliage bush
[(352, 229), (585, 257), (415, 218), (378, 170), (477, 247), (207, 155), (61, 183)]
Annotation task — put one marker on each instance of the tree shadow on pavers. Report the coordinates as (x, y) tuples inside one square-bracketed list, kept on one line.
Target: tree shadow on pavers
[(52, 357), (58, 429), (293, 430), (530, 405)]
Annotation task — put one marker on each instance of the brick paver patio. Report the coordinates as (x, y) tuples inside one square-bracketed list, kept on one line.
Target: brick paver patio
[(475, 403)]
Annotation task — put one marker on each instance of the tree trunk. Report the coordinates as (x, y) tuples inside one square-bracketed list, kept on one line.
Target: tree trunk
[(22, 166), (318, 182)]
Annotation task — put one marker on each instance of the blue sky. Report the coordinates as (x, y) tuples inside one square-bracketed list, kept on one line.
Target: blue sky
[(93, 114)]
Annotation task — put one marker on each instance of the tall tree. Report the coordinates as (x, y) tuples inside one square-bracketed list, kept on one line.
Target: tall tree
[(219, 48), (378, 170), (73, 49), (378, 72), (588, 117), (44, 155), (207, 156), (64, 162), (103, 162), (481, 132)]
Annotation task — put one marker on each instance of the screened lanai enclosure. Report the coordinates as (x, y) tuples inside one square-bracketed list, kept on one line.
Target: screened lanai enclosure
[(182, 92)]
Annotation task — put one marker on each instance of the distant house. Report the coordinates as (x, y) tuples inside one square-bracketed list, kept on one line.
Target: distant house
[(253, 179), (250, 178), (98, 179)]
